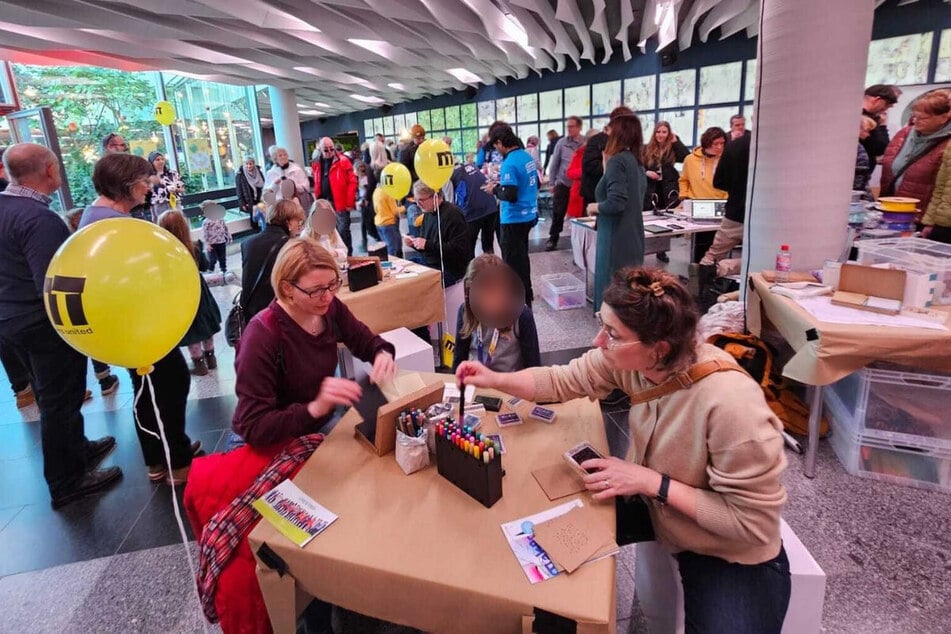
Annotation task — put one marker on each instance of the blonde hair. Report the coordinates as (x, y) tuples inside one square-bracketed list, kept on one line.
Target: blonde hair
[(489, 265), (934, 102), (310, 231), (283, 212), (176, 224), (868, 123), (296, 259)]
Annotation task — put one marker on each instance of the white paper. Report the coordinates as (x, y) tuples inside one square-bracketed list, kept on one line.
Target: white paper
[(822, 309), (451, 390), (533, 559)]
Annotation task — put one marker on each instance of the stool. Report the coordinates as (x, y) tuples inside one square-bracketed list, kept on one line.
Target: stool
[(412, 353), (661, 596)]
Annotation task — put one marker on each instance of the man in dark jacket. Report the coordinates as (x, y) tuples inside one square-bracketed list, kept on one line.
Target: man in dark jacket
[(443, 242), (335, 181), (30, 233), (480, 208), (553, 139), (877, 101), (408, 155)]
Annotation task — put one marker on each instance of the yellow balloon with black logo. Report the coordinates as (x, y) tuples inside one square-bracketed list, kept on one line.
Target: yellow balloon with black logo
[(434, 163), (395, 180), (122, 291), (164, 112)]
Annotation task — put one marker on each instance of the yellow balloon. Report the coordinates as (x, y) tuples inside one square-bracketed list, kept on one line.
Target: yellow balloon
[(164, 112), (434, 163), (395, 180), (122, 291)]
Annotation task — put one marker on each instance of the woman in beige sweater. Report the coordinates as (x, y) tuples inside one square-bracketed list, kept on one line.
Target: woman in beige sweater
[(708, 459)]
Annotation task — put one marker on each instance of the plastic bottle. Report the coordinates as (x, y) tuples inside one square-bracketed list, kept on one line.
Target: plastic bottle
[(783, 264)]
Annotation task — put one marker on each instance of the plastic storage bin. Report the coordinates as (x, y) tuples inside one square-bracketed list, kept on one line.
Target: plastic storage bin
[(895, 404), (914, 253), (880, 460), (563, 291)]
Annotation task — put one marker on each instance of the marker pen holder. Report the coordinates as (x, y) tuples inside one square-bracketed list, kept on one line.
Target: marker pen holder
[(480, 480)]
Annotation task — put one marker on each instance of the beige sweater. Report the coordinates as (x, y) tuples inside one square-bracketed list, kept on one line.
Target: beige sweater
[(718, 436)]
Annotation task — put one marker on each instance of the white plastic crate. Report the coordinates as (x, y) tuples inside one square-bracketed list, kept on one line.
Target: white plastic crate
[(879, 460), (563, 291), (916, 254), (895, 404)]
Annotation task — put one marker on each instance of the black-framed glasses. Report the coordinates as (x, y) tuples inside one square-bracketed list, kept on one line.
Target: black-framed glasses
[(320, 291)]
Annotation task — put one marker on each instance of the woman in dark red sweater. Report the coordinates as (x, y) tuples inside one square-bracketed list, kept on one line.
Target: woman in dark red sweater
[(287, 355)]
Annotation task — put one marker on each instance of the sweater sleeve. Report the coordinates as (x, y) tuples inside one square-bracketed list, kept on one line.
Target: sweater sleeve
[(356, 335), (257, 418), (684, 181), (746, 494), (41, 238), (528, 339), (589, 375), (616, 182)]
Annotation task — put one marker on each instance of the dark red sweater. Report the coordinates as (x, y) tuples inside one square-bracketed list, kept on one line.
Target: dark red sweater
[(280, 367)]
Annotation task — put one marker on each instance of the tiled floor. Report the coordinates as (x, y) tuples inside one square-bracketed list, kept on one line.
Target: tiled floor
[(115, 563)]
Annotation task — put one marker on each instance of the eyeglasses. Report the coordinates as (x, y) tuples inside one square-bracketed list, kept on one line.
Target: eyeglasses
[(613, 342), (320, 291), (421, 199)]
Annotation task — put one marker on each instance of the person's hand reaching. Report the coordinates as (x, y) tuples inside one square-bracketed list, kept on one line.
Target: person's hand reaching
[(384, 368), (474, 373), (334, 392)]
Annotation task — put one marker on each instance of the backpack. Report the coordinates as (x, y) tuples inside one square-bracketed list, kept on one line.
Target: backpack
[(756, 357)]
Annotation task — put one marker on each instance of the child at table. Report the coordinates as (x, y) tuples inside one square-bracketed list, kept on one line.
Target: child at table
[(494, 325), (322, 227)]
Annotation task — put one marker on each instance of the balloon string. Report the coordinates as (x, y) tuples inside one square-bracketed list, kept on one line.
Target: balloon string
[(442, 269), (168, 463)]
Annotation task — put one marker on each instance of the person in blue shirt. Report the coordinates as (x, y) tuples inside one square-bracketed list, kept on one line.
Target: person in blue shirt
[(480, 207), (518, 190)]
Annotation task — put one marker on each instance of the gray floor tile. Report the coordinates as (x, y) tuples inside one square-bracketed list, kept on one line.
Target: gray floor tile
[(625, 593)]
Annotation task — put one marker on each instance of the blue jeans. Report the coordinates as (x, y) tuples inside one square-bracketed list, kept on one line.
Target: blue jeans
[(724, 597), (391, 236)]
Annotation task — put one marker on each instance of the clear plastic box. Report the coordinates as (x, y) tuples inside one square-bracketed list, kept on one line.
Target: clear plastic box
[(563, 291), (914, 253)]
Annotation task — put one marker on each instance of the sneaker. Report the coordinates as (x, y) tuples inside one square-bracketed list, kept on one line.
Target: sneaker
[(552, 244), (158, 473), (178, 476), (25, 397), (109, 385), (93, 481)]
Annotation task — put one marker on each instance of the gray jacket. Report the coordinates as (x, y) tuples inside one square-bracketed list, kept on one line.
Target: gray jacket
[(561, 158)]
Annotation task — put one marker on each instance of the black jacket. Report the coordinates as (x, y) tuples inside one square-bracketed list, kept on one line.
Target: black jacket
[(669, 179), (408, 158), (549, 152), (592, 165), (731, 176), (257, 260), (877, 140), (456, 246), (248, 196)]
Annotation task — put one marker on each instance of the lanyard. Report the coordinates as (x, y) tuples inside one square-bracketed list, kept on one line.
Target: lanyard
[(484, 358)]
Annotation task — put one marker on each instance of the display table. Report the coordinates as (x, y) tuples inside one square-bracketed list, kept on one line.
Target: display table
[(399, 303), (417, 551), (826, 352)]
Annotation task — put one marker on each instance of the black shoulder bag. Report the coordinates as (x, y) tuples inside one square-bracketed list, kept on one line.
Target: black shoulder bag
[(237, 319)]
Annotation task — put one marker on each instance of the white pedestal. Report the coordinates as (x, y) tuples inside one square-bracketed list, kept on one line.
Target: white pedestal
[(412, 353), (661, 596)]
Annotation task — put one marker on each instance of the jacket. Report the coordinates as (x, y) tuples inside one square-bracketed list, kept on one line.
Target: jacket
[(669, 178), (549, 151), (564, 151), (719, 436), (939, 209), (696, 180), (475, 203), (343, 182), (255, 262), (918, 180), (525, 331), (877, 140), (248, 195), (620, 235), (408, 158), (732, 175), (592, 165), (386, 210), (576, 202), (456, 249)]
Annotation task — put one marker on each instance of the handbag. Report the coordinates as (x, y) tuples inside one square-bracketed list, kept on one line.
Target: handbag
[(237, 319)]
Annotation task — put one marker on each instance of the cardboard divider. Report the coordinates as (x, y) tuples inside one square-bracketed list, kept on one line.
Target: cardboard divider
[(383, 438), (870, 288), (480, 480)]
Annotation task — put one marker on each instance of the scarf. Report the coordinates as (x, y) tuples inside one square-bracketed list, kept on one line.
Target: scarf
[(256, 181), (914, 147)]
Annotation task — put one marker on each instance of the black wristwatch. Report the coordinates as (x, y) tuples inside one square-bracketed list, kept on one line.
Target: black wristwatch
[(664, 486)]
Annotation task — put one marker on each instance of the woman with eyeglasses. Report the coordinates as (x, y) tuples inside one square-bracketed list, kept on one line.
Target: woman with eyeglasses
[(288, 353), (706, 451)]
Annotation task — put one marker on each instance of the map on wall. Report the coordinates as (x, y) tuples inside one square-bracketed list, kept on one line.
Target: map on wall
[(640, 93), (598, 123), (681, 124), (719, 117), (525, 131), (721, 83), (677, 88), (527, 107), (647, 124), (577, 101), (549, 105), (467, 115), (749, 89), (486, 113), (605, 97), (505, 110), (942, 72), (899, 60), (452, 117)]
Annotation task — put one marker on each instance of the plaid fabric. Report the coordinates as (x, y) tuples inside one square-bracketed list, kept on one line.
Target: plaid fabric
[(26, 192), (227, 528)]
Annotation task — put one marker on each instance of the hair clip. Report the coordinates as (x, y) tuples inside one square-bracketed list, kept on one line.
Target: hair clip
[(657, 289)]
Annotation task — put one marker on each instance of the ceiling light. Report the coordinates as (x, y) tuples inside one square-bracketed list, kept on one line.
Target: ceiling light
[(320, 104), (300, 105), (379, 47), (397, 86), (313, 113), (367, 99), (464, 75)]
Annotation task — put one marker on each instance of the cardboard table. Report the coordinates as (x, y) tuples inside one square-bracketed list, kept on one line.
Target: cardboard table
[(417, 551), (397, 303)]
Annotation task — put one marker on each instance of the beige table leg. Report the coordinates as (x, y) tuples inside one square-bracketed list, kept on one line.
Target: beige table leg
[(815, 418)]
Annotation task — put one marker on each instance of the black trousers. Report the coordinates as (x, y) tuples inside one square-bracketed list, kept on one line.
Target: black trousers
[(514, 245), (343, 228), (59, 382), (219, 256), (171, 381), (941, 234), (559, 207), (367, 226), (487, 226), (16, 368)]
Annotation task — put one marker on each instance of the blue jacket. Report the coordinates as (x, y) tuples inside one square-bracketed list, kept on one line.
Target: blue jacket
[(518, 188), (525, 332), (475, 203)]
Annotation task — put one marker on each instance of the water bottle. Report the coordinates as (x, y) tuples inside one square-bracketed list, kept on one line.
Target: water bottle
[(783, 264)]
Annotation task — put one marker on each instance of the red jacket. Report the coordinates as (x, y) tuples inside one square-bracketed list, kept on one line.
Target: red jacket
[(575, 201), (919, 179), (343, 182)]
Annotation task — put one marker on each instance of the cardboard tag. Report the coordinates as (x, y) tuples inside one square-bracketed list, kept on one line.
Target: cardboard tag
[(558, 481), (573, 538)]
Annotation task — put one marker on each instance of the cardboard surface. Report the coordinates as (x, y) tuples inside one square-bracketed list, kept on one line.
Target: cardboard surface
[(416, 551), (383, 437), (836, 350), (574, 538), (864, 287), (410, 303), (558, 480)]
